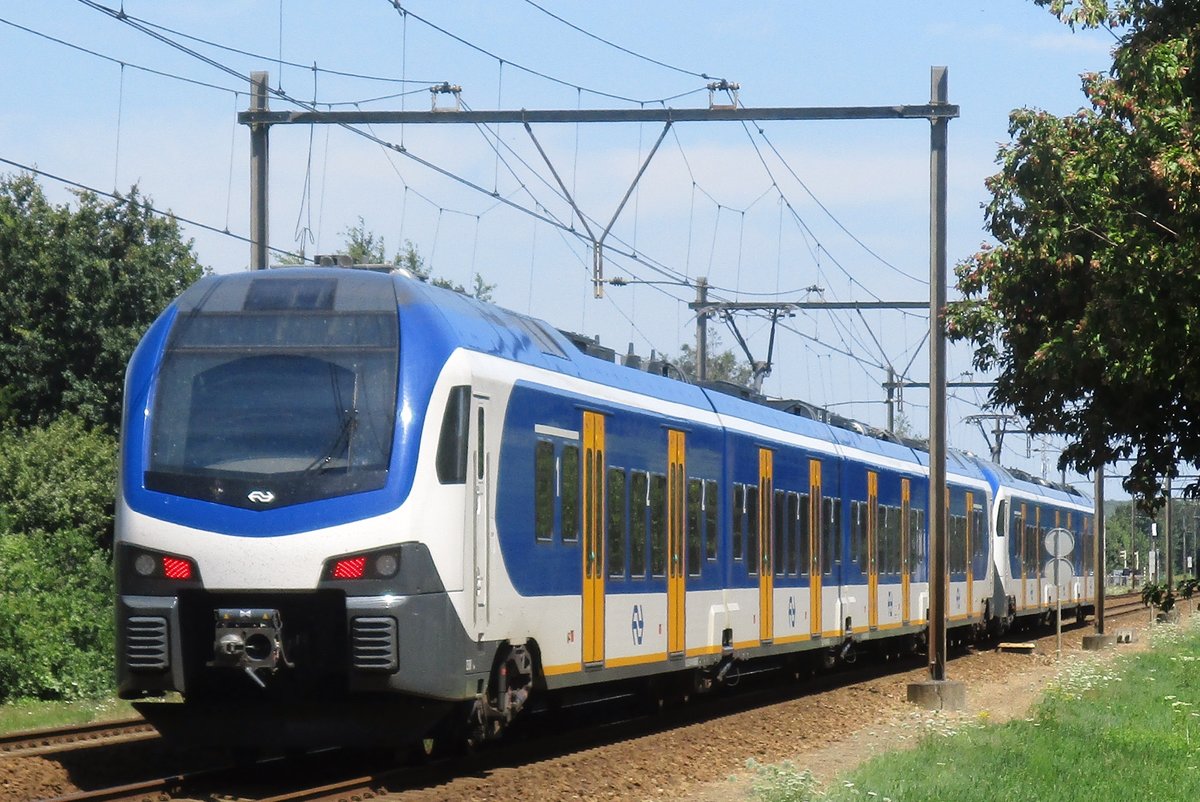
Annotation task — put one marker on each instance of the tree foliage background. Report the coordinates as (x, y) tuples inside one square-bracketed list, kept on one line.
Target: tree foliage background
[(1089, 305), (82, 282)]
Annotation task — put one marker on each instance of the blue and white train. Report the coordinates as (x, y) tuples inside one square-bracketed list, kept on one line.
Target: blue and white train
[(351, 502)]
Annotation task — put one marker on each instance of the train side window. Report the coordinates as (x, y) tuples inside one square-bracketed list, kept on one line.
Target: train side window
[(739, 519), (883, 540), (479, 452), (615, 508), (544, 490), (781, 528), (639, 500), (804, 522), (792, 521), (452, 442), (831, 528), (1001, 518), (916, 541), (569, 490), (695, 520), (752, 533), (711, 519), (658, 525), (978, 535), (858, 526)]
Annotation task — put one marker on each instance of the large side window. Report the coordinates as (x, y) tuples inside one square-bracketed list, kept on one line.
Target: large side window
[(452, 442), (639, 500), (545, 472), (831, 529), (916, 542), (739, 520), (752, 528), (858, 532), (615, 509), (711, 519), (570, 493), (658, 524), (695, 521), (803, 537), (792, 522)]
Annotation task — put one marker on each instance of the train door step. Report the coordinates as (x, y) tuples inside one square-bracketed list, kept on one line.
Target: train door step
[(1018, 648)]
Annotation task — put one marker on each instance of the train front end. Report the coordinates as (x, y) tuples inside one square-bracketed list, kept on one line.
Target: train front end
[(264, 557)]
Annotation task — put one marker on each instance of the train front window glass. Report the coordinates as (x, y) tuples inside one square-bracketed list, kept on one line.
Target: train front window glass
[(639, 499), (568, 489), (615, 509), (277, 390), (543, 490)]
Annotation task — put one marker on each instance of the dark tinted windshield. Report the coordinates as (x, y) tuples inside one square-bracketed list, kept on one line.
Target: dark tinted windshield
[(277, 388)]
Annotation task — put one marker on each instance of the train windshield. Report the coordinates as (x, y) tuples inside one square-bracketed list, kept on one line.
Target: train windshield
[(277, 389)]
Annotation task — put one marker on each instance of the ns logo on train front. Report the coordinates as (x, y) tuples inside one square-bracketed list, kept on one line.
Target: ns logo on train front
[(356, 507)]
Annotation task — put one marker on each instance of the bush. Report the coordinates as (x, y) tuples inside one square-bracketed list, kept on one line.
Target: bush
[(56, 619), (56, 582), (61, 476)]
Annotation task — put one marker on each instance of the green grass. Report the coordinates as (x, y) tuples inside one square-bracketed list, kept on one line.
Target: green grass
[(1103, 731), (30, 715)]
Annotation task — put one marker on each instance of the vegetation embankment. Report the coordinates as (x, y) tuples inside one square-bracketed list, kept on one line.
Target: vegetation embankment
[(1105, 729)]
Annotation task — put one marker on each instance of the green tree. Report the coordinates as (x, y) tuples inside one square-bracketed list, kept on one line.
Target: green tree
[(723, 365), (367, 247), (1089, 305), (81, 285)]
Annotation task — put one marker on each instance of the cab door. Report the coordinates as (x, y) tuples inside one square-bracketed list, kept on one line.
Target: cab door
[(815, 529), (593, 537), (872, 549), (676, 550), (766, 545), (480, 466)]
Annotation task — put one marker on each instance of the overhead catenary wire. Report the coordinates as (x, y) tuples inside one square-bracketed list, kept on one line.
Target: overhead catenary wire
[(633, 255), (616, 46), (154, 210)]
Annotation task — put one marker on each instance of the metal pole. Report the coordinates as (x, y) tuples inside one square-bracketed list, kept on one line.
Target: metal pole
[(259, 81), (891, 399), (702, 330), (937, 381), (1101, 551), (1167, 540)]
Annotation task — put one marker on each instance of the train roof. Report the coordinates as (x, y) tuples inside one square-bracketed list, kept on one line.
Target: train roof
[(449, 319)]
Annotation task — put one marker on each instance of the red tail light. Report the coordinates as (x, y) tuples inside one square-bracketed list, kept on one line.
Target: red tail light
[(175, 568), (350, 568)]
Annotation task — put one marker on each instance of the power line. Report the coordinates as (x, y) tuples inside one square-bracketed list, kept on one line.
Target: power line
[(117, 197), (625, 50), (262, 57), (405, 12)]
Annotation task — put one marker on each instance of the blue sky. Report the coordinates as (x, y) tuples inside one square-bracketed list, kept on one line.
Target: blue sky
[(843, 206)]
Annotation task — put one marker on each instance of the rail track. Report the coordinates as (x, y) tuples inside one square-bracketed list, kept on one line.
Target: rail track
[(80, 736), (339, 776)]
